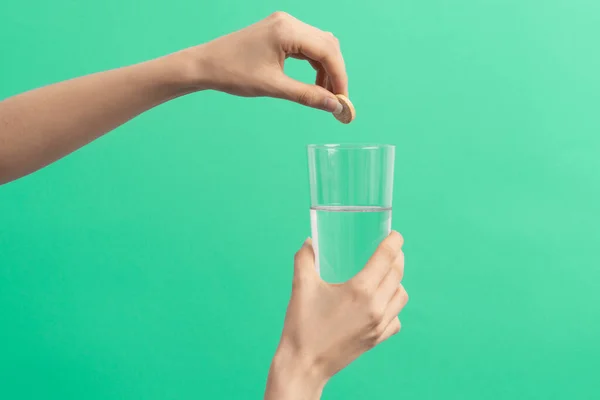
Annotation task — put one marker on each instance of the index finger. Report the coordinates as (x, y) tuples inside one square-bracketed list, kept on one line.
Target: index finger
[(324, 48), (381, 261)]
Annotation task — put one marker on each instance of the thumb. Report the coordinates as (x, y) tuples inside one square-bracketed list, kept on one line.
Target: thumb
[(304, 263), (308, 95)]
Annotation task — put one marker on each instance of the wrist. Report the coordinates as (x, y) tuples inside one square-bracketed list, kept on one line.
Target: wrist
[(189, 69), (292, 376), (176, 74)]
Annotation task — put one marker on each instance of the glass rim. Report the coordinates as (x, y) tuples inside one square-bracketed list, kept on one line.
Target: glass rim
[(352, 146)]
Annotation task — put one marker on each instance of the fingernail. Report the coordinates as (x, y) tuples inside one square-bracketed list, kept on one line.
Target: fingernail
[(333, 106)]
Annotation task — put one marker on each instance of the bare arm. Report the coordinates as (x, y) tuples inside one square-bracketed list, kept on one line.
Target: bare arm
[(43, 125)]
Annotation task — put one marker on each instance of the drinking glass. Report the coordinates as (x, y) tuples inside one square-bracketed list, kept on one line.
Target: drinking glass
[(351, 205)]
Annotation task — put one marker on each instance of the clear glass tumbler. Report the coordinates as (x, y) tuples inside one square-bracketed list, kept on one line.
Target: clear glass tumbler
[(351, 205)]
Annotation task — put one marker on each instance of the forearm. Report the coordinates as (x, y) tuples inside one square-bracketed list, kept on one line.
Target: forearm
[(43, 125), (291, 378)]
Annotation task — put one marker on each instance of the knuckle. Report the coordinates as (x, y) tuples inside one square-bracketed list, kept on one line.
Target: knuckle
[(400, 299), (334, 49), (387, 251), (360, 291), (333, 38), (324, 57), (378, 331), (400, 239), (402, 289), (375, 315), (306, 98), (397, 327), (280, 15), (398, 273), (280, 26), (398, 264), (372, 340)]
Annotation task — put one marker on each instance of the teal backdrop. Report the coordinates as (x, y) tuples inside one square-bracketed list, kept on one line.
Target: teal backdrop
[(156, 262)]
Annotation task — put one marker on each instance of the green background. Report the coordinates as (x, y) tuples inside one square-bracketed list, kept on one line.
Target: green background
[(156, 262)]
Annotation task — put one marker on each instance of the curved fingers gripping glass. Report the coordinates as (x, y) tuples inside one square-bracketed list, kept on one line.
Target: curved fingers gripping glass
[(351, 205)]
